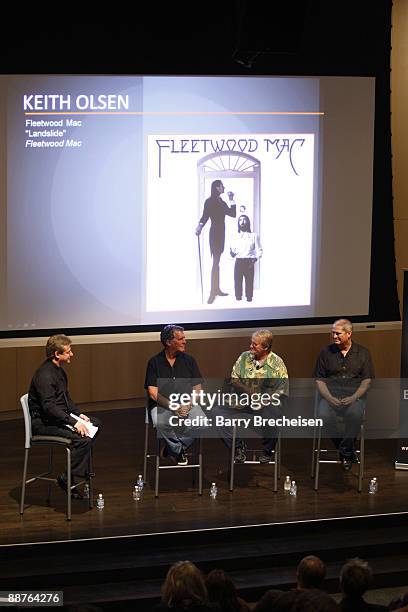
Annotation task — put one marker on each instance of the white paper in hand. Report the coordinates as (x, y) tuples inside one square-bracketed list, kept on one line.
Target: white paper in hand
[(92, 429)]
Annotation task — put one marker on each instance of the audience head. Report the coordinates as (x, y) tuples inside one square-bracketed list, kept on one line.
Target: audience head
[(221, 591), (310, 573), (355, 577), (184, 586)]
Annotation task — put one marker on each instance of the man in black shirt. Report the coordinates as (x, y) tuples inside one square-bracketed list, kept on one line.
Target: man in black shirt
[(343, 376), (51, 407), (177, 374)]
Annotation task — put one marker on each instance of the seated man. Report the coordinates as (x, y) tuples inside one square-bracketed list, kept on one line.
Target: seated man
[(51, 407), (310, 573), (179, 376), (258, 372), (356, 577), (343, 375)]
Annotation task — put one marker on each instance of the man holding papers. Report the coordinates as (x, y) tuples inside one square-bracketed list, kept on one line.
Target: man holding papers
[(53, 413)]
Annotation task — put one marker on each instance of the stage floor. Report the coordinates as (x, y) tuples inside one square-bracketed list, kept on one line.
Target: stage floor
[(119, 457)]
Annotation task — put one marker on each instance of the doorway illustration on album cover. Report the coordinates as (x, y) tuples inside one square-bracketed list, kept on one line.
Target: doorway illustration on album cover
[(240, 173)]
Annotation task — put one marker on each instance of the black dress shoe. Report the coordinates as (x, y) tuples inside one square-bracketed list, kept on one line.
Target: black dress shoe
[(166, 454), (211, 299), (62, 483), (347, 465), (348, 461), (265, 457), (240, 455), (221, 293)]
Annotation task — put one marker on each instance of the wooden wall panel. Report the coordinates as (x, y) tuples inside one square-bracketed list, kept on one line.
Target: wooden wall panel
[(118, 370), (385, 348), (101, 373), (80, 373), (8, 379), (28, 360)]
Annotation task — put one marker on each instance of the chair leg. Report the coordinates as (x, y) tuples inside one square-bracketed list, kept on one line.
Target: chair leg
[(361, 467), (90, 482), (275, 467), (157, 472), (68, 483), (200, 469), (23, 484), (234, 440), (50, 456), (317, 460), (194, 459), (146, 449), (313, 452)]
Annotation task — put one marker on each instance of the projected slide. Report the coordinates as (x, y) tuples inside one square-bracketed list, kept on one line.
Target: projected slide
[(134, 201), (271, 187)]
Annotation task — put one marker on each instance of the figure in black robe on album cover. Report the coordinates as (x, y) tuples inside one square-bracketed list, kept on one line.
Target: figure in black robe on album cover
[(216, 210)]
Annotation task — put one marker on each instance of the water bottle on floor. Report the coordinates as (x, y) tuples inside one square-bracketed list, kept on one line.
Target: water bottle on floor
[(140, 482), (100, 502), (373, 486), (286, 484), (137, 493), (86, 491), (213, 491), (293, 488)]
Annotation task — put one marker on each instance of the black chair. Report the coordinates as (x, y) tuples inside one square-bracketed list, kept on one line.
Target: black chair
[(320, 456), (253, 453), (195, 457), (52, 442)]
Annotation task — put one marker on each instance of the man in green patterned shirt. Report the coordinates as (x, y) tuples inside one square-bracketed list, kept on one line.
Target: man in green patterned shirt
[(261, 379)]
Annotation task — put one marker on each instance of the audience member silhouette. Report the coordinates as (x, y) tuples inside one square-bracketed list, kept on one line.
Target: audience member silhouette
[(355, 578), (184, 589), (223, 594)]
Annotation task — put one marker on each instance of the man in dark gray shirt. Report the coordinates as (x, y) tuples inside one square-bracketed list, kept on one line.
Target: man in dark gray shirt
[(51, 407), (343, 375)]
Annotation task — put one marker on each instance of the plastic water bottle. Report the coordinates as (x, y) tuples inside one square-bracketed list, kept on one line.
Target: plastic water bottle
[(373, 486), (293, 488), (137, 493), (140, 482), (286, 484), (213, 491), (100, 502), (86, 491)]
